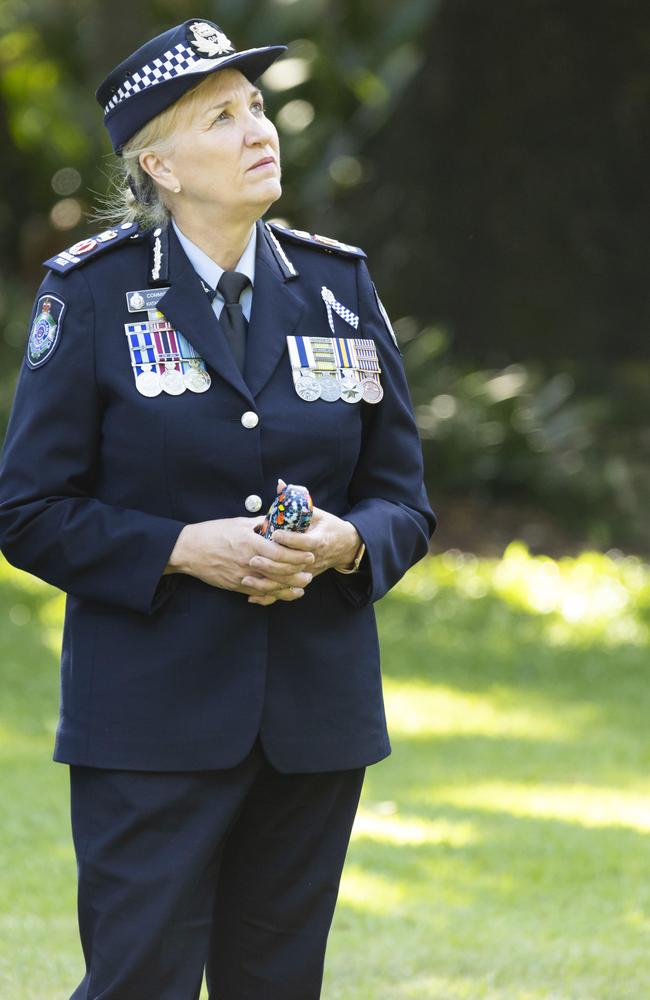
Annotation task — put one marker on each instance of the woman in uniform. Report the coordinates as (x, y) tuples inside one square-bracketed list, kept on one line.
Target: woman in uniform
[(220, 690)]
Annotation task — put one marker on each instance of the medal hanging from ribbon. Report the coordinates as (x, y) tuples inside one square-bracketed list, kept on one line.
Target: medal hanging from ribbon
[(332, 368), (162, 359)]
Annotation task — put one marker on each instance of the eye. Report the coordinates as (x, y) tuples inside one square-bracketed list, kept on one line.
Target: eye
[(258, 106)]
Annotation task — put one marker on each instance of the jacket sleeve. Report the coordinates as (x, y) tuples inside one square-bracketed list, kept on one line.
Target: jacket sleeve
[(51, 525), (388, 501)]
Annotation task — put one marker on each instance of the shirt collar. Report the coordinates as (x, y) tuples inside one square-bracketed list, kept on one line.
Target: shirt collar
[(208, 269)]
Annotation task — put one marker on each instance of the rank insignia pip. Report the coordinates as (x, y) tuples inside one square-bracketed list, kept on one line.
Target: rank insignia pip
[(46, 330), (88, 249), (313, 239)]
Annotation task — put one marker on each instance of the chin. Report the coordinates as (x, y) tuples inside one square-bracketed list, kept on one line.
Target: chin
[(269, 192)]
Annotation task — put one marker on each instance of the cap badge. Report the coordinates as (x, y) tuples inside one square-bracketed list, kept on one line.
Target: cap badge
[(208, 40)]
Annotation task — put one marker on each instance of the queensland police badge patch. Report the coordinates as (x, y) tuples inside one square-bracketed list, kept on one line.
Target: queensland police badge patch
[(46, 330)]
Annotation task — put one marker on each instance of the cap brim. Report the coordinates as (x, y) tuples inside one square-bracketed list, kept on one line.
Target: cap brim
[(252, 62)]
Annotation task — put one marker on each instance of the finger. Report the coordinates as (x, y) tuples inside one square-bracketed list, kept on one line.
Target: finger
[(280, 570), (302, 579), (292, 594), (282, 579), (288, 594), (293, 539), (262, 585), (300, 555)]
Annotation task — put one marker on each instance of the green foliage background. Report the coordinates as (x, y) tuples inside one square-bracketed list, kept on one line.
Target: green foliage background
[(492, 160)]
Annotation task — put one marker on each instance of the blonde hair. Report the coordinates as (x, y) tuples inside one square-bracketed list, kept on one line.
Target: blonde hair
[(120, 204)]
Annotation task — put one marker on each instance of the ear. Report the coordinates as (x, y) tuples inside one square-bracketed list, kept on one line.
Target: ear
[(160, 169)]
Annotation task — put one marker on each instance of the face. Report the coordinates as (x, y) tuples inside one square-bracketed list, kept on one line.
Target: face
[(226, 157)]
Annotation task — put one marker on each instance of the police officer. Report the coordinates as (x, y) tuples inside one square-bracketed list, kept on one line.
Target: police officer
[(221, 691)]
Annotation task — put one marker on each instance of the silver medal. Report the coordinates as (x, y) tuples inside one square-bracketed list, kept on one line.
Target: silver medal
[(148, 383), (197, 379), (351, 390), (172, 380), (330, 388), (372, 391), (307, 387)]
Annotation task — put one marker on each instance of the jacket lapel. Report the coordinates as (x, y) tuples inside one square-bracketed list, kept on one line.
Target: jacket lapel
[(275, 313), (188, 309)]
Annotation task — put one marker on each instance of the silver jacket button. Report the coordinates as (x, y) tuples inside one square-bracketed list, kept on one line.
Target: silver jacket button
[(250, 419), (253, 503)]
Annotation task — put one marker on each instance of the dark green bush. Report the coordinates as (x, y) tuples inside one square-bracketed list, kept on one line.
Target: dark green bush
[(573, 442)]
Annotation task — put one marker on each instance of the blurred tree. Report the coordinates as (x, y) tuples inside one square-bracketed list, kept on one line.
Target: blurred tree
[(490, 157), (511, 179)]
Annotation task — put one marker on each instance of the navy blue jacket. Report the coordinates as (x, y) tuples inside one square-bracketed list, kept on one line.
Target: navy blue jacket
[(97, 481)]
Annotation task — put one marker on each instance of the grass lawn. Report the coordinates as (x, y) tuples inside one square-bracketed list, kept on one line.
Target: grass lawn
[(500, 853)]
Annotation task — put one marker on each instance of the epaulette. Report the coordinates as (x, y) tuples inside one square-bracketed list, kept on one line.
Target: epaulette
[(85, 250), (314, 240)]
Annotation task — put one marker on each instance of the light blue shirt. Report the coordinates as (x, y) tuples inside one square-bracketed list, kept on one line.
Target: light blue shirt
[(210, 272)]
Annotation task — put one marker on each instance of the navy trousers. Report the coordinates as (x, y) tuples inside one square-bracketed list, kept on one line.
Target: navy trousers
[(234, 871)]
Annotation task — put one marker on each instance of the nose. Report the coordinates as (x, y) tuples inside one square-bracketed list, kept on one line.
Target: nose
[(259, 131)]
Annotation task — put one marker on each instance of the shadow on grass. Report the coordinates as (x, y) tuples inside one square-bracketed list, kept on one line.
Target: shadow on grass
[(474, 901), (487, 648), (500, 853), (536, 908)]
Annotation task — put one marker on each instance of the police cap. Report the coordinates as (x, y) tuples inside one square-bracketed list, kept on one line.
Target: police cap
[(164, 68)]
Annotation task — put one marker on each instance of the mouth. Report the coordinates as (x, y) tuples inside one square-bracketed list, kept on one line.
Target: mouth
[(264, 162)]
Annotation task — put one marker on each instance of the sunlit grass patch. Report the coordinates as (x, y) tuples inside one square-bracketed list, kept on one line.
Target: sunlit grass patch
[(416, 708), (371, 892), (587, 805), (376, 823), (592, 596), (500, 853)]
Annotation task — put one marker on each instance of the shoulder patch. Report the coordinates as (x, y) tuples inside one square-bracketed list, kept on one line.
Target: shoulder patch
[(84, 250), (46, 330), (385, 317), (313, 239)]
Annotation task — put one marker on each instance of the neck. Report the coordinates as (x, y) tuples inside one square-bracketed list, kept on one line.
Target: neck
[(223, 240)]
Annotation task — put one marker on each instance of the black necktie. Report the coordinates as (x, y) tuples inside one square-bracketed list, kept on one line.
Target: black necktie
[(233, 322)]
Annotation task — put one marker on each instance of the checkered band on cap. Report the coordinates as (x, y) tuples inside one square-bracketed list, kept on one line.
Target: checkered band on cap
[(181, 59)]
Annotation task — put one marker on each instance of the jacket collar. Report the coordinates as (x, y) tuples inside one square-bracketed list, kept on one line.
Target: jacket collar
[(275, 313)]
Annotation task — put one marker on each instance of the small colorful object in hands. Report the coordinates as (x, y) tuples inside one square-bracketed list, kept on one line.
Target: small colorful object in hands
[(292, 509)]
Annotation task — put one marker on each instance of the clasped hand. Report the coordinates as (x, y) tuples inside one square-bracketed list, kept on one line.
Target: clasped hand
[(329, 541), (227, 553)]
